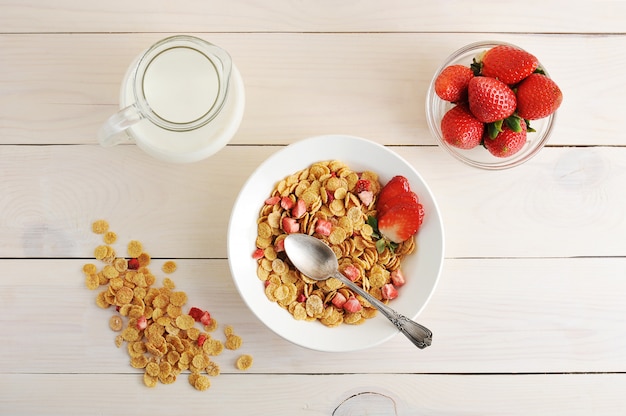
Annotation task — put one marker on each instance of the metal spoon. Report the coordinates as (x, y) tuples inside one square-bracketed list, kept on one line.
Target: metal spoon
[(317, 261)]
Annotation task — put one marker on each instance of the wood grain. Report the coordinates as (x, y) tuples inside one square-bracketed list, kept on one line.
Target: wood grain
[(299, 84), (565, 202), (487, 316)]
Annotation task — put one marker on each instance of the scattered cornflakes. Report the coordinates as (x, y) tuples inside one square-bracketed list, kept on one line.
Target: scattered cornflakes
[(161, 339), (335, 213), (100, 226), (244, 362), (116, 323), (169, 267)]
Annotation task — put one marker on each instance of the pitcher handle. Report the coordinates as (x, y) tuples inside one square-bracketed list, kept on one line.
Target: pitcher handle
[(113, 131)]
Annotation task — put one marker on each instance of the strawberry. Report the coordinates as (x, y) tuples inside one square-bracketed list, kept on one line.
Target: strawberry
[(507, 142), (299, 209), (389, 292), (351, 272), (323, 227), (490, 99), (460, 128), (508, 64), (397, 185), (286, 203), (339, 300), (362, 185), (451, 83), (273, 200), (405, 197), (290, 225), (400, 222), (259, 253), (538, 97), (352, 305), (397, 278), (142, 323)]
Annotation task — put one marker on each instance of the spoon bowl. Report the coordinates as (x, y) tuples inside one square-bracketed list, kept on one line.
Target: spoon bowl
[(317, 261)]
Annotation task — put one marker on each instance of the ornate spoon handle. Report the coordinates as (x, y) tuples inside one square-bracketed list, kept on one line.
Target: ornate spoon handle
[(419, 335)]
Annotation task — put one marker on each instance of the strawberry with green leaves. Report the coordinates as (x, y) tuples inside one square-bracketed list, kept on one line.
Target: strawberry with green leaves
[(507, 142), (508, 64), (537, 97), (399, 213)]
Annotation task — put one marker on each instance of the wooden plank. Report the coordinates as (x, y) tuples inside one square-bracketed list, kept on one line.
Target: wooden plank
[(487, 316), (321, 16), (298, 85), (565, 202), (350, 394)]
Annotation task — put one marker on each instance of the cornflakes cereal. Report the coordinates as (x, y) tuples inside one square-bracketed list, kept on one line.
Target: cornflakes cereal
[(244, 362), (100, 226), (336, 214), (135, 248), (110, 237), (161, 339), (169, 267), (116, 323)]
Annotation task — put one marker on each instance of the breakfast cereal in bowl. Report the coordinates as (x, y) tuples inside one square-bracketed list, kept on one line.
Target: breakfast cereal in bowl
[(344, 191)]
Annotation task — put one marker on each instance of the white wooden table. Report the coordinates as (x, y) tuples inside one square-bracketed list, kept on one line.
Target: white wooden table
[(529, 315)]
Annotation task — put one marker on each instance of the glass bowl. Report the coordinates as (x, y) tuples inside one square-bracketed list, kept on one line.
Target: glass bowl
[(479, 156)]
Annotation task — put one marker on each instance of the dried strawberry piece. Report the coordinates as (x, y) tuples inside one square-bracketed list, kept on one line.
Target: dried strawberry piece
[(258, 253), (389, 291), (201, 340), (299, 209), (301, 298), (323, 227), (286, 202), (339, 300), (362, 185), (352, 305), (205, 319), (142, 323), (352, 272), (366, 197), (133, 264), (290, 225), (279, 246), (196, 313), (397, 278), (272, 200)]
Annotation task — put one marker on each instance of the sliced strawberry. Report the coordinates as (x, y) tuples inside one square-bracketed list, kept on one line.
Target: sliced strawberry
[(290, 225), (299, 209), (323, 227), (406, 197), (352, 305), (400, 222), (397, 278), (259, 253), (352, 272), (389, 291), (339, 300), (366, 197), (286, 202), (397, 185), (272, 200), (362, 185)]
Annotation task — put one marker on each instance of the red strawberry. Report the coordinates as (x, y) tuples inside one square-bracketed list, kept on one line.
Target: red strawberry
[(388, 291), (508, 64), (400, 222), (405, 197), (323, 227), (451, 83), (490, 99), (290, 225), (538, 97), (339, 300), (507, 142), (352, 305), (362, 185), (397, 278), (397, 185), (460, 128), (299, 209)]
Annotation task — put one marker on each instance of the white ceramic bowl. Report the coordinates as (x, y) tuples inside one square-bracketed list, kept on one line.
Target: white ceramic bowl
[(422, 267), (479, 156)]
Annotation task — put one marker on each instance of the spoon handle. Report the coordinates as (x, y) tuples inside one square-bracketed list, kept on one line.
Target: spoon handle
[(419, 335)]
